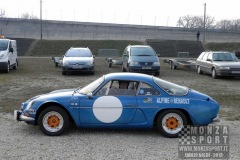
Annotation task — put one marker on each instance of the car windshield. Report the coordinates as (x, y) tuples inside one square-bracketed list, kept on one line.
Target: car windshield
[(92, 86), (3, 45), (78, 53), (142, 51), (224, 57), (171, 88)]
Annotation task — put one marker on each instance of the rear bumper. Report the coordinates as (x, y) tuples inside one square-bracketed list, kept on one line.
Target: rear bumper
[(18, 116)]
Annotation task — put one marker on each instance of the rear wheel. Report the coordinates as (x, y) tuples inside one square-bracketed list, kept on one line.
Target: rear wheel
[(15, 65), (123, 69), (53, 121), (199, 70), (171, 122)]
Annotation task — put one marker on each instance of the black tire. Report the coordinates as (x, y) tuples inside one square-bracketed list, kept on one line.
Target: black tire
[(214, 74), (8, 68), (157, 73), (173, 118), (56, 64), (16, 65), (123, 69), (64, 72), (51, 118), (109, 65), (199, 70)]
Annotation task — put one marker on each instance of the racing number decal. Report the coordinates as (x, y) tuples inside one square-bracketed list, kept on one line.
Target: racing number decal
[(107, 109)]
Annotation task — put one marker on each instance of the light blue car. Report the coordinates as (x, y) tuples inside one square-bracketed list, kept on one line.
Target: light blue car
[(120, 100)]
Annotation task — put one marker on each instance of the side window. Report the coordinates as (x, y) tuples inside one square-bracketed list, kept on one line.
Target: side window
[(146, 89), (209, 56), (124, 88), (104, 89), (205, 56)]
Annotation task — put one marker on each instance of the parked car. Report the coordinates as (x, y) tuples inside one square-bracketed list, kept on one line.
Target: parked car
[(218, 63), (140, 58), (78, 59), (120, 100), (8, 54)]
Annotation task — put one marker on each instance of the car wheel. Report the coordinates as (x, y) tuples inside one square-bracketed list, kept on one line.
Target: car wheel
[(8, 68), (157, 73), (214, 74), (123, 69), (64, 72), (16, 65), (171, 122), (53, 121), (199, 70), (171, 65), (109, 65)]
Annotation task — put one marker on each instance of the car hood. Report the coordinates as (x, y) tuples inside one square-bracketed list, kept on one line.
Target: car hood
[(55, 95), (144, 58), (227, 64)]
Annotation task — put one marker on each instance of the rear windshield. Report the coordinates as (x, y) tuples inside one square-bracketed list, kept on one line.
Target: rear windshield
[(3, 45), (224, 57), (78, 53), (171, 88), (142, 51)]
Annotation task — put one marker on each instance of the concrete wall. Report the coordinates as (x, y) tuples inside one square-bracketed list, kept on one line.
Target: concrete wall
[(65, 30)]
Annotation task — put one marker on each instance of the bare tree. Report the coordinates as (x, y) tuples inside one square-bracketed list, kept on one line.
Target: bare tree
[(28, 16), (195, 22), (2, 13), (224, 24)]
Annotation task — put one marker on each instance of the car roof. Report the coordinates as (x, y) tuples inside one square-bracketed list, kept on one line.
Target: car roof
[(129, 77), (139, 45), (79, 48), (218, 52)]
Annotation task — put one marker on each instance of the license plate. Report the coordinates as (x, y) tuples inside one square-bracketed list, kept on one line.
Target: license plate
[(236, 72), (77, 67), (146, 67)]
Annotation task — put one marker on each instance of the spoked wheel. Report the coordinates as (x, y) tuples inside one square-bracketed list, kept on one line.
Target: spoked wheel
[(53, 121), (171, 122)]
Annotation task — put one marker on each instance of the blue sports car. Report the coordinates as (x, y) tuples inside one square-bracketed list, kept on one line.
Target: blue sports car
[(120, 100)]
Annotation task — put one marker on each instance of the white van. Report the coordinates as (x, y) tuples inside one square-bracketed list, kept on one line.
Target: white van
[(8, 54)]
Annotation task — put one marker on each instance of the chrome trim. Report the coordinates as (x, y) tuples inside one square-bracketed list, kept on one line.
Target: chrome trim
[(19, 117)]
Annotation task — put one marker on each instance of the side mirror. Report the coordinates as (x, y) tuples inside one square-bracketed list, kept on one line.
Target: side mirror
[(11, 50), (89, 95)]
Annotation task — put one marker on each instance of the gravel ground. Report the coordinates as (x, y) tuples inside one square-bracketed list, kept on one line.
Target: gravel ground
[(38, 75)]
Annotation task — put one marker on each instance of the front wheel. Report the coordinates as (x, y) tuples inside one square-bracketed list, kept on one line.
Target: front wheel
[(8, 68), (214, 74), (171, 122), (199, 70), (53, 121)]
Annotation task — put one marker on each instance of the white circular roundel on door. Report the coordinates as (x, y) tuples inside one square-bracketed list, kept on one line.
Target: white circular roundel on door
[(107, 109)]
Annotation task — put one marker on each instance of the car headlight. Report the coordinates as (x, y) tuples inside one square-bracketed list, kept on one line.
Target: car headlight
[(89, 63), (156, 63), (133, 63), (29, 105), (65, 63), (224, 68)]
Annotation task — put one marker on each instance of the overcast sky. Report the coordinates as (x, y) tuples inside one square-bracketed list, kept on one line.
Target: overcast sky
[(145, 12)]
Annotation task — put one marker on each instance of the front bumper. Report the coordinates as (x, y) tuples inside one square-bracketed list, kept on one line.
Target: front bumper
[(18, 116), (83, 68), (3, 65), (231, 72), (145, 69), (216, 119)]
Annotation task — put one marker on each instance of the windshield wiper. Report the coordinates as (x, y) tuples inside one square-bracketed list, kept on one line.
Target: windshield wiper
[(76, 90)]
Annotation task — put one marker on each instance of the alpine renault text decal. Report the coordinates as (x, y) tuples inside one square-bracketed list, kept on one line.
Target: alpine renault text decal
[(173, 100)]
